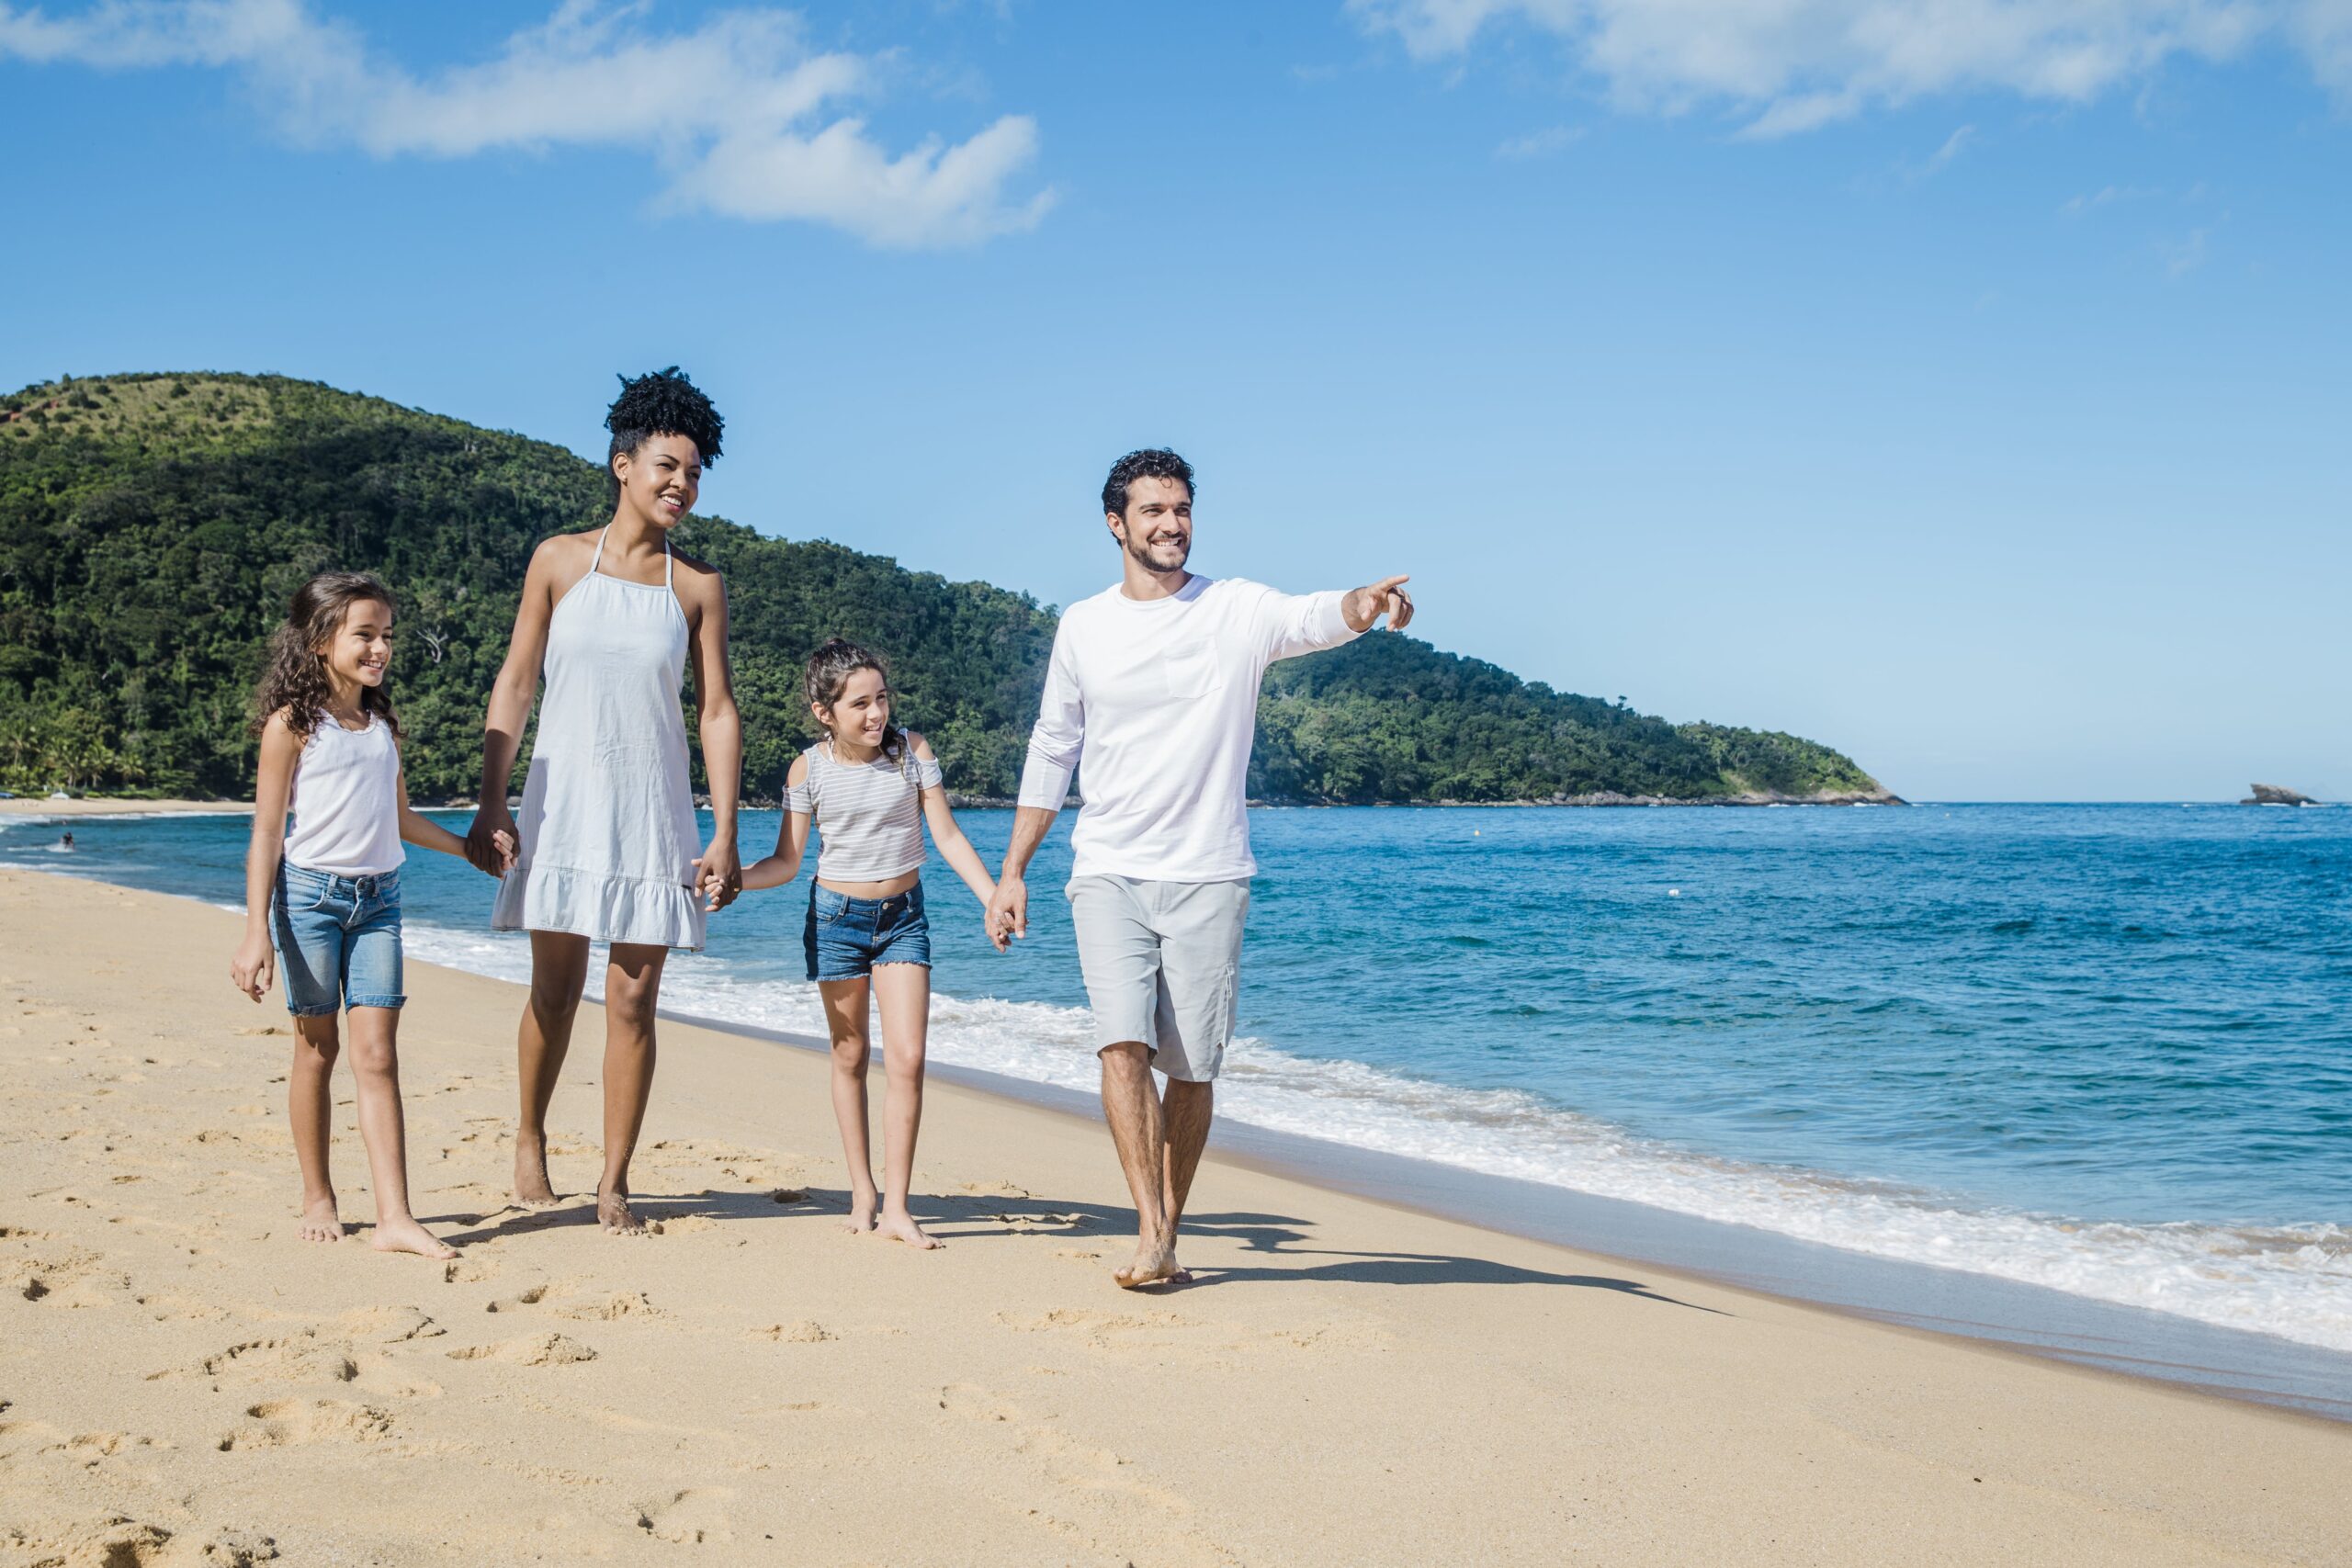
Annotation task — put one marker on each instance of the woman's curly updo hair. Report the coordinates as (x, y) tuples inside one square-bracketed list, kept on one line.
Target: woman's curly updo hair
[(660, 403), (830, 668), (294, 682)]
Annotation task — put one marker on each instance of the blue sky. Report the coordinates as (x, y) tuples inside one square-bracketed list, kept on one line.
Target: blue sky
[(1974, 401)]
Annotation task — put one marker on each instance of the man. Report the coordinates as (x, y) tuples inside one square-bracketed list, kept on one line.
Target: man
[(1156, 683)]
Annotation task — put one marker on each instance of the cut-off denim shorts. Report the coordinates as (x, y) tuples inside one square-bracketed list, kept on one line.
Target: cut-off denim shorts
[(338, 939), (846, 937)]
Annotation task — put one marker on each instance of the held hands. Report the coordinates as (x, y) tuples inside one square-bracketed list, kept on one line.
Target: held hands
[(254, 966), (490, 842), (718, 876), (1363, 607), (1008, 915)]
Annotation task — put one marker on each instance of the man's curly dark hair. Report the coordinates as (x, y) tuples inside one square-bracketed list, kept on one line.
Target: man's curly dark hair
[(1150, 463), (661, 402)]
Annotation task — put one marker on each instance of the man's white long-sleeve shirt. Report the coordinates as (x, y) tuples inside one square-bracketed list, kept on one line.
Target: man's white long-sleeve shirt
[(1159, 698)]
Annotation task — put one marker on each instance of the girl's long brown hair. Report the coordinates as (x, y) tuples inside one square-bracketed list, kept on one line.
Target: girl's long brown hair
[(830, 668), (295, 681)]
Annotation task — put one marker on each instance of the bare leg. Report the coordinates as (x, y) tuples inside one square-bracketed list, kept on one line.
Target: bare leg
[(632, 988), (558, 971), (1185, 1112), (376, 1069), (309, 1107), (1133, 1110), (904, 992), (846, 1013)]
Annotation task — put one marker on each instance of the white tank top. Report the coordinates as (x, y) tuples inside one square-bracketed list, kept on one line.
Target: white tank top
[(345, 801)]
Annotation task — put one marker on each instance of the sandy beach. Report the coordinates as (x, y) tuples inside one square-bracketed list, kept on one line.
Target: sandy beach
[(181, 1381)]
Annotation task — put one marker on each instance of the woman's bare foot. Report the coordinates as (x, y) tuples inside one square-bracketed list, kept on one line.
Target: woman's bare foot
[(614, 1213), (532, 1189), (1155, 1263), (862, 1206), (404, 1234), (899, 1225), (321, 1221)]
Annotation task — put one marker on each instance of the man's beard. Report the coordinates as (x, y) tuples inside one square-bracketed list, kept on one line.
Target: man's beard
[(1141, 550)]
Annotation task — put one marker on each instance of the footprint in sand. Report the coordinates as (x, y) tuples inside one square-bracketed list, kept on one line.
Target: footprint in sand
[(387, 1325), (91, 1447), (684, 1224), (696, 1516), (634, 1304), (71, 1282), (805, 1332), (1089, 1493), (536, 1351), (323, 1354), (516, 1303), (283, 1423), (1105, 1330), (119, 1542), (301, 1357)]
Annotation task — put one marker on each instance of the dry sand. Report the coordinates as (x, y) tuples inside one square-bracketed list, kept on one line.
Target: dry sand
[(22, 806), (183, 1383)]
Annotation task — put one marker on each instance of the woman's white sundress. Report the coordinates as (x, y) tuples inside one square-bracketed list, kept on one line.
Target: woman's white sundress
[(607, 831)]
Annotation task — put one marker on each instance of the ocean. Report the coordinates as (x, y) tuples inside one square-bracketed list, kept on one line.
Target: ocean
[(2105, 1050)]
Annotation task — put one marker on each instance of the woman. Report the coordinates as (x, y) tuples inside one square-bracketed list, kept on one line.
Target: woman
[(607, 845)]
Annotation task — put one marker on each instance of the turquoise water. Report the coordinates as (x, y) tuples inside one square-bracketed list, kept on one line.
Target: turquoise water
[(2103, 1048)]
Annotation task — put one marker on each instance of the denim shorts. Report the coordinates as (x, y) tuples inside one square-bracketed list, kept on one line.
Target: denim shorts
[(847, 937), (338, 939)]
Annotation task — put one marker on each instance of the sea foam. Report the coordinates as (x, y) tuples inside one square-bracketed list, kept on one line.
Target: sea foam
[(2294, 1281)]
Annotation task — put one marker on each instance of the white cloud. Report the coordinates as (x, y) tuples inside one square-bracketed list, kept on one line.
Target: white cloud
[(2108, 195), (2184, 256), (1954, 146), (1793, 66), (741, 114), (1540, 143)]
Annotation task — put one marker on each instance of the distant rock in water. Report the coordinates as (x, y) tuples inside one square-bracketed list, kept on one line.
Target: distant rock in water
[(2272, 794)]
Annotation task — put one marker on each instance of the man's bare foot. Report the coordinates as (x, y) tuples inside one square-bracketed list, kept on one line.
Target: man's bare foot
[(532, 1189), (1155, 1263), (321, 1221), (404, 1234), (614, 1213), (862, 1206), (899, 1225)]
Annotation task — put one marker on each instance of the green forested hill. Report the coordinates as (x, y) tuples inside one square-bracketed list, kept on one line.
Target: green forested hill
[(153, 526)]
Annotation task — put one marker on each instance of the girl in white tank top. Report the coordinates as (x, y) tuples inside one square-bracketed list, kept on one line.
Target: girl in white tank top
[(322, 899)]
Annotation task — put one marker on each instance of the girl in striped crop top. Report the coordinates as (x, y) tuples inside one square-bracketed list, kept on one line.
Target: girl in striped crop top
[(868, 788)]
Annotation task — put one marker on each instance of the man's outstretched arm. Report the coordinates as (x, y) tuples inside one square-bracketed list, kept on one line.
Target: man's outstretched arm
[(1309, 622)]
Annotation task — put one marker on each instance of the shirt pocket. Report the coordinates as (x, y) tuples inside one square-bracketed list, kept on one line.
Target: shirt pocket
[(1193, 672)]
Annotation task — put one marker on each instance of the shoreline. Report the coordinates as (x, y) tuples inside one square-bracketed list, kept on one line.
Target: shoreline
[(1996, 1308), (84, 806), (741, 1376), (87, 805), (2032, 1321)]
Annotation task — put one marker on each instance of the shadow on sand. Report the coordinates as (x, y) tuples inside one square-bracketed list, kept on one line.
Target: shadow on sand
[(958, 1217)]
